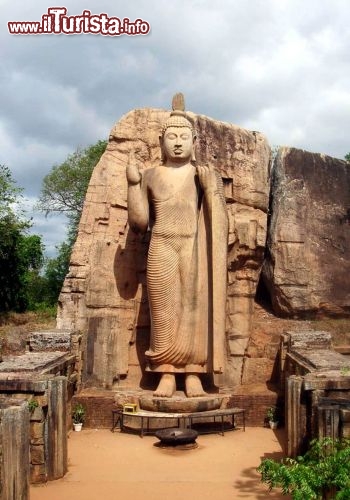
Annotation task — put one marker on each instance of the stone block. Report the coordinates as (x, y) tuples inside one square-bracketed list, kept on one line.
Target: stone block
[(37, 455), (55, 340), (345, 431), (309, 237), (309, 339), (38, 474), (37, 433), (41, 399), (345, 416), (37, 415)]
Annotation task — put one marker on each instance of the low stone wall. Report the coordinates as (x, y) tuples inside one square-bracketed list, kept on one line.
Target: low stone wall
[(46, 403), (44, 379), (99, 405), (256, 405), (317, 382)]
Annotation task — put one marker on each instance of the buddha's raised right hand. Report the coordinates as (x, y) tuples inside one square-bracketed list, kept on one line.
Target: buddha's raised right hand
[(133, 174)]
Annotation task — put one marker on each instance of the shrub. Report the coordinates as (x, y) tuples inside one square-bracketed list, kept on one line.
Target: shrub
[(323, 472)]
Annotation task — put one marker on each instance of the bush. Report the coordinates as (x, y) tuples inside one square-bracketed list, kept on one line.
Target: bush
[(323, 472)]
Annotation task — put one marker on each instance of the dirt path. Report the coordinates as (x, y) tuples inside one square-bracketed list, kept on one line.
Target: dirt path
[(107, 466)]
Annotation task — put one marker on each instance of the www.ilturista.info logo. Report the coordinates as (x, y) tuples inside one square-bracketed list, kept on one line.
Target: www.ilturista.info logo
[(56, 22)]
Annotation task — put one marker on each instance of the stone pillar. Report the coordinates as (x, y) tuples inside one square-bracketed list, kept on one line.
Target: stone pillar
[(293, 413), (328, 421), (56, 428), (345, 423), (14, 452)]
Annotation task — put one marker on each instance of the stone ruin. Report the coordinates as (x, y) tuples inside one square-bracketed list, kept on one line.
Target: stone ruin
[(36, 389), (302, 250), (317, 389), (289, 233)]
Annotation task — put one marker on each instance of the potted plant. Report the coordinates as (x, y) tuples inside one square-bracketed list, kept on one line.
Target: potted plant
[(272, 416), (78, 416)]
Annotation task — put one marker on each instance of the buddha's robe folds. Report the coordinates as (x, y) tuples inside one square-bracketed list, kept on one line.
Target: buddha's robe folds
[(186, 280)]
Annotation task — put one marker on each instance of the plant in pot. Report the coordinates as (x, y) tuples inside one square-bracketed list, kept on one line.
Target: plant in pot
[(272, 416), (78, 416)]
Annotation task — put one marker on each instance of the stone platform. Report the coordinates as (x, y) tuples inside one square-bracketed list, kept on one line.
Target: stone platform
[(39, 362), (100, 402), (181, 404)]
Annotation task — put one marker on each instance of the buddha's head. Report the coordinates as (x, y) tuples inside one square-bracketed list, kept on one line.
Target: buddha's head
[(178, 135)]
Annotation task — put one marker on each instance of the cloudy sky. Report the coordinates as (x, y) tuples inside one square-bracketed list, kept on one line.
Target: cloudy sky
[(281, 67)]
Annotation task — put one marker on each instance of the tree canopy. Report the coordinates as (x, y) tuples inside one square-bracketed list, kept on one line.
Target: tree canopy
[(64, 188), (27, 280), (63, 191), (21, 255)]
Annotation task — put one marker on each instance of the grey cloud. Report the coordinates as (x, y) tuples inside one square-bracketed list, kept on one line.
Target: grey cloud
[(278, 67)]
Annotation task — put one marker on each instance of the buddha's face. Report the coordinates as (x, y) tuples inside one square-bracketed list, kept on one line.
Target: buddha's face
[(178, 144)]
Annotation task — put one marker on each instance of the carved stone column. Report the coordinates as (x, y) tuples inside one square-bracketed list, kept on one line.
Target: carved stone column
[(293, 414)]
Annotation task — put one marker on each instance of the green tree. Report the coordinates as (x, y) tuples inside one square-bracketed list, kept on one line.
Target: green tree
[(55, 272), (63, 191), (9, 192), (323, 472), (31, 259), (64, 188), (21, 255), (347, 157), (10, 278)]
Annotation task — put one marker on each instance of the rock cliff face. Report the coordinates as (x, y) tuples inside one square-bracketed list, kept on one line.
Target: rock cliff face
[(307, 267), (104, 294)]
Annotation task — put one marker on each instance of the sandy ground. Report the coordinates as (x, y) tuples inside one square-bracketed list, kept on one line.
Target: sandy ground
[(105, 465)]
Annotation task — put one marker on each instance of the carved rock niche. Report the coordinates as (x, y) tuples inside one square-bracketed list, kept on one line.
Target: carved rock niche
[(104, 294)]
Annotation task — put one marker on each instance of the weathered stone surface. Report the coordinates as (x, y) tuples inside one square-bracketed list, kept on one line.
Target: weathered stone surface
[(37, 415), (257, 370), (308, 259), (53, 340), (31, 361), (47, 423), (37, 455), (104, 294), (56, 430), (38, 474), (14, 451), (322, 359), (37, 430), (345, 415), (309, 339), (317, 400), (178, 404)]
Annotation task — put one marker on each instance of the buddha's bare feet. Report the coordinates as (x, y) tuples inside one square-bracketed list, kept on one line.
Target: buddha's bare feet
[(194, 386), (166, 386)]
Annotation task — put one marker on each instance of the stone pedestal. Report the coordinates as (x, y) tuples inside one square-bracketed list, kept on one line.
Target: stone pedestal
[(181, 404)]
